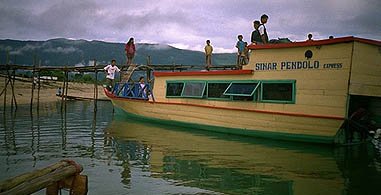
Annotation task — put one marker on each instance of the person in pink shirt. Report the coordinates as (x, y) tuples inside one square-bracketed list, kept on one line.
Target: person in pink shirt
[(130, 51)]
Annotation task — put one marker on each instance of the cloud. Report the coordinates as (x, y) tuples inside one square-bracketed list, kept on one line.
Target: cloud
[(5, 48), (187, 22), (153, 46), (26, 48), (64, 50)]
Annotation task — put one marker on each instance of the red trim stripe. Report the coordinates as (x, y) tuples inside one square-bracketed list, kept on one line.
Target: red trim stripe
[(315, 43), (193, 73), (228, 108)]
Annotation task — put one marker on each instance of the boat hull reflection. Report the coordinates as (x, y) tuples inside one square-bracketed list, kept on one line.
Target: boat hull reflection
[(226, 163)]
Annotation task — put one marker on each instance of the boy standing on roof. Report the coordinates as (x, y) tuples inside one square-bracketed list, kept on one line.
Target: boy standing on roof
[(110, 71), (208, 54), (241, 48), (262, 29)]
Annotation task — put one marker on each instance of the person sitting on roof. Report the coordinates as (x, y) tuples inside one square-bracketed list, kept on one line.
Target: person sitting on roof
[(255, 36), (309, 37), (142, 86)]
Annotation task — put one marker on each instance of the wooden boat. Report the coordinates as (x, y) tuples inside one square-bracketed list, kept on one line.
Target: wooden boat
[(300, 91)]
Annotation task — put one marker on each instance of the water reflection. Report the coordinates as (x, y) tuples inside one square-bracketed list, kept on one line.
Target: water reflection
[(239, 165), (123, 156)]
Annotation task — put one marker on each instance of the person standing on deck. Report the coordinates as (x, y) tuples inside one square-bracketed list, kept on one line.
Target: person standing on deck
[(262, 29), (246, 54), (208, 54), (241, 48), (130, 51), (110, 71)]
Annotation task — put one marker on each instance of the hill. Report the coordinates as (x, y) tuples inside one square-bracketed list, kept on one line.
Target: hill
[(59, 52)]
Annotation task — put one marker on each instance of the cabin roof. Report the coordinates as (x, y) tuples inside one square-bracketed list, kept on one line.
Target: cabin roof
[(198, 73), (315, 43)]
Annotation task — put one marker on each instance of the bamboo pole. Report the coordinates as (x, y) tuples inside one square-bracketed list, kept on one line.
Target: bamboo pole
[(6, 80), (67, 85), (39, 86), (122, 68), (63, 90), (34, 67), (13, 90), (31, 182), (14, 181), (13, 82), (148, 69), (5, 87), (13, 98), (95, 86), (31, 99), (7, 58), (5, 91)]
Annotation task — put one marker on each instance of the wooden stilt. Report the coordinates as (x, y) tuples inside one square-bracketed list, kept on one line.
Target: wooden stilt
[(7, 58), (6, 81), (122, 68), (5, 87), (39, 86), (67, 85), (31, 97), (13, 89), (95, 86), (34, 66), (63, 90), (5, 91), (12, 82), (148, 70)]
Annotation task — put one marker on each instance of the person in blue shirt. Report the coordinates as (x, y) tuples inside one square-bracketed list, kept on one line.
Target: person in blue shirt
[(241, 48)]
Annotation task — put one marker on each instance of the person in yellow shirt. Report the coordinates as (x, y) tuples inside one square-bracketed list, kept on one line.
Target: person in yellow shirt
[(208, 54)]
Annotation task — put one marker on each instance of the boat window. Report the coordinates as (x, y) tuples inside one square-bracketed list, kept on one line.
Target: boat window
[(279, 92), (194, 89), (241, 88), (244, 98), (175, 89), (216, 90)]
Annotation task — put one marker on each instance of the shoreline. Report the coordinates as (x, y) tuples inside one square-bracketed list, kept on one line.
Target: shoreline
[(48, 91)]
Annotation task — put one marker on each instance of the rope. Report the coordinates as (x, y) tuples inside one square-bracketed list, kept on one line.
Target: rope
[(78, 168), (71, 162)]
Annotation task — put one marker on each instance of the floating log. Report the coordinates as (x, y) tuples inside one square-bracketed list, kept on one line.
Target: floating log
[(64, 174), (80, 98)]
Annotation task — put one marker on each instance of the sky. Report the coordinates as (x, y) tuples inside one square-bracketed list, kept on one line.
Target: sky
[(187, 24)]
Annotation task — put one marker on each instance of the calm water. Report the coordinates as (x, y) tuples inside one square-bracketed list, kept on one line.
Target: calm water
[(123, 156)]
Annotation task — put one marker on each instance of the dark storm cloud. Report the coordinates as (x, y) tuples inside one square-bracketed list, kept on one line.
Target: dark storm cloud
[(186, 23), (66, 19)]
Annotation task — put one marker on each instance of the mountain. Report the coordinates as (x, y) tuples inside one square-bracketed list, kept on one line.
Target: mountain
[(60, 52)]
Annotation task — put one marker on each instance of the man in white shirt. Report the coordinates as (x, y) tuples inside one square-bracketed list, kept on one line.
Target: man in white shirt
[(110, 71), (262, 29)]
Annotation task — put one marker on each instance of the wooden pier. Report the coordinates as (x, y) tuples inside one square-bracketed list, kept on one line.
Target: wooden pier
[(36, 68)]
